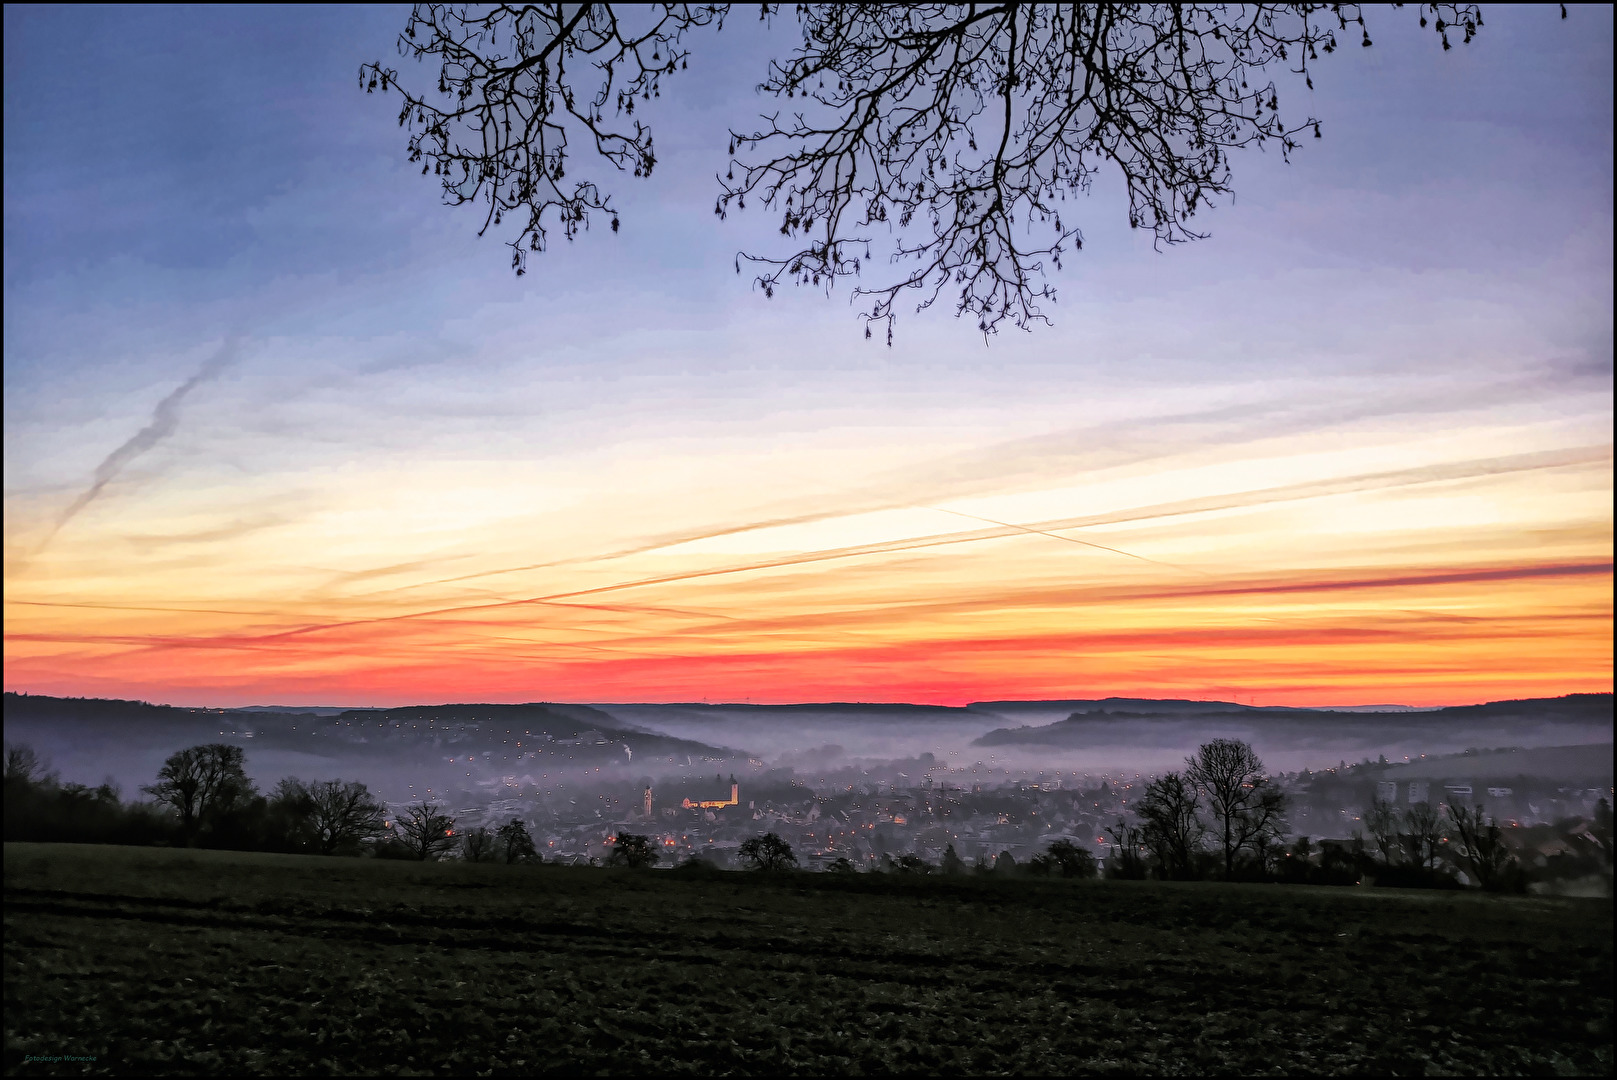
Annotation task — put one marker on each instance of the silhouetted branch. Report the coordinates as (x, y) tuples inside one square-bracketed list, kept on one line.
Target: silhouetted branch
[(958, 131), (502, 136)]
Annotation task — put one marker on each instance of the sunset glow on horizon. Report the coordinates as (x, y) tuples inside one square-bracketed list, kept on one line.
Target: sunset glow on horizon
[(1456, 580), (322, 447)]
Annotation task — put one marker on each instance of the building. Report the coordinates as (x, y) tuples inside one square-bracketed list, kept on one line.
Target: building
[(714, 804), (1419, 791), (1387, 791)]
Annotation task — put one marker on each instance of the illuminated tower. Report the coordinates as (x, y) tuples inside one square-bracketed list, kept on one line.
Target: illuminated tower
[(646, 803), (735, 791)]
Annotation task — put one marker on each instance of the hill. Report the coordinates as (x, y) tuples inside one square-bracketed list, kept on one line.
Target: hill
[(1590, 764), (441, 749), (1112, 721), (358, 966), (571, 733)]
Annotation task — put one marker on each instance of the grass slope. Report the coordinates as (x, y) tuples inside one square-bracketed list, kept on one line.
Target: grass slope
[(191, 962)]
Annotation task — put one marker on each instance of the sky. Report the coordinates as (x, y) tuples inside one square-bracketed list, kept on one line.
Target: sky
[(280, 428)]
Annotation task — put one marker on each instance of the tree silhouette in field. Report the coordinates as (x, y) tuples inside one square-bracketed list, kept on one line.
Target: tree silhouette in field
[(1421, 835), (1246, 806), (908, 863), (767, 852), (956, 134), (425, 831), (1409, 846), (1381, 820), (24, 765), (1480, 845), (335, 815), (201, 784), (39, 807), (1128, 859), (1070, 860), (632, 850), (515, 841), (1171, 827), (477, 845)]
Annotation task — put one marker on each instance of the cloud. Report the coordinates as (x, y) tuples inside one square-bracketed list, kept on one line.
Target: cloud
[(1570, 457), (165, 420), (229, 530)]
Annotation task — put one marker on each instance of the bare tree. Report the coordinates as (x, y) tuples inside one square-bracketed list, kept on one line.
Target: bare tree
[(1245, 804), (1129, 848), (1171, 828), (1070, 859), (767, 852), (334, 814), (477, 845), (24, 765), (515, 841), (291, 813), (425, 830), (1381, 819), (1481, 846), (516, 83), (630, 849), (1423, 831), (954, 132), (202, 782)]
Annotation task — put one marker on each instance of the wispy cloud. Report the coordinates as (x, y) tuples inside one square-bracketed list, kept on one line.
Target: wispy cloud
[(164, 422), (1371, 481)]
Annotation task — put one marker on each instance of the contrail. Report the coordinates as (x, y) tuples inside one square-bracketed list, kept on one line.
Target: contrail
[(1031, 530), (165, 419)]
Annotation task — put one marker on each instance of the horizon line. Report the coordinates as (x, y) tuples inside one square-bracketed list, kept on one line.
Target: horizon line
[(1371, 706)]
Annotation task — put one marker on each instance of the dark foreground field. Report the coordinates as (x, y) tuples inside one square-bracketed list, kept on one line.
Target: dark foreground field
[(164, 961)]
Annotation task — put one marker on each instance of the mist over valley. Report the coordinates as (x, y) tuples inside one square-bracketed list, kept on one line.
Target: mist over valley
[(849, 779)]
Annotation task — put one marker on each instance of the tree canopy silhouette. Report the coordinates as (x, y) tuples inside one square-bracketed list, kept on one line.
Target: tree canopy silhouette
[(1171, 827), (425, 831), (477, 844), (336, 815), (767, 852), (1481, 846), (200, 783), (632, 850), (1068, 859), (515, 841), (950, 135), (1246, 804)]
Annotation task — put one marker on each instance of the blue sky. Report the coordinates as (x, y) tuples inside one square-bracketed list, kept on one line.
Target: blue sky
[(1429, 282)]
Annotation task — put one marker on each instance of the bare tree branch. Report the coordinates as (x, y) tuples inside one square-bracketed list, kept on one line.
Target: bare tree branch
[(905, 95), (949, 135), (502, 135)]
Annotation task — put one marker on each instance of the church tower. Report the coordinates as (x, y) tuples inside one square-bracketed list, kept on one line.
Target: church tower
[(646, 804), (735, 790)]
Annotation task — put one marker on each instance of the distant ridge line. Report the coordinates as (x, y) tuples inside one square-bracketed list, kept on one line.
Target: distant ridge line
[(1110, 702)]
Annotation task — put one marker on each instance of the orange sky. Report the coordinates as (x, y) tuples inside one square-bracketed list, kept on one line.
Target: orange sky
[(1264, 569)]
